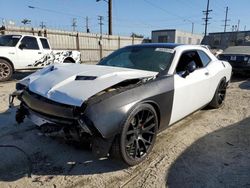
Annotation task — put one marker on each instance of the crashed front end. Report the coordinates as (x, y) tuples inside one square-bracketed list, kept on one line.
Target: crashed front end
[(96, 120), (56, 119)]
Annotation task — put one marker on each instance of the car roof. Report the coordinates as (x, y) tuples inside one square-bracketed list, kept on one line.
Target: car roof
[(157, 45), (24, 35), (172, 46)]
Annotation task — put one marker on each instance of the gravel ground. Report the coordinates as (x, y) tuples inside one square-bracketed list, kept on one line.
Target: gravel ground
[(210, 148)]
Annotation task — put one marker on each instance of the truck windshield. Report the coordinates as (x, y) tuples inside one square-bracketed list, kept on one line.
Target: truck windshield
[(9, 40), (140, 57)]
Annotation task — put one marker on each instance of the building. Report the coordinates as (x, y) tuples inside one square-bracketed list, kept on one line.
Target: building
[(222, 40), (176, 36)]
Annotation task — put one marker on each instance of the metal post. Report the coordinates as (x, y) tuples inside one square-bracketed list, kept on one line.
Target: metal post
[(87, 24), (110, 17), (226, 20)]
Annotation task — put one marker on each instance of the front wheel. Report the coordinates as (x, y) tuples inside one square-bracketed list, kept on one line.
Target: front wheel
[(138, 135), (220, 95), (6, 70)]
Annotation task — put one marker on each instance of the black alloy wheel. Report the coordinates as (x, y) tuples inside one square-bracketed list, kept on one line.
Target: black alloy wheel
[(220, 95), (222, 92), (138, 134)]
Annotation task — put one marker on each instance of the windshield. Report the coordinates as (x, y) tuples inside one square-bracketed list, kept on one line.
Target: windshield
[(140, 57), (9, 40)]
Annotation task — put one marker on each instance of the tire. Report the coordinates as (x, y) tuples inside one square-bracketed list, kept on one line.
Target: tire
[(220, 95), (139, 131), (6, 70)]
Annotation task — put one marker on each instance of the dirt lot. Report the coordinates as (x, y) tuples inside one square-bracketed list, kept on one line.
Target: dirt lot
[(210, 148)]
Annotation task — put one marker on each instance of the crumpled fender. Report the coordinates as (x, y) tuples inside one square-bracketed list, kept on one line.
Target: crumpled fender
[(108, 114)]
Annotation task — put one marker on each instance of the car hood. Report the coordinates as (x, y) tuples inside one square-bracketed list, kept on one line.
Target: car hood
[(72, 84)]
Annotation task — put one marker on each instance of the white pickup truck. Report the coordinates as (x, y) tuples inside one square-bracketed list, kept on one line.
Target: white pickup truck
[(24, 52)]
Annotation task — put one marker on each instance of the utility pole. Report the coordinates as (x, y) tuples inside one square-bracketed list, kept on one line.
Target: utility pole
[(192, 27), (3, 22), (238, 28), (74, 25), (226, 20), (110, 32), (87, 24), (110, 17), (206, 19), (42, 25), (100, 18)]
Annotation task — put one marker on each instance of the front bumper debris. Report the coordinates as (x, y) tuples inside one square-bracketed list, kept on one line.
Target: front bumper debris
[(13, 96)]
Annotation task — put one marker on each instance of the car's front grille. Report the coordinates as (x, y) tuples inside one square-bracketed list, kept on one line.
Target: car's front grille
[(45, 106)]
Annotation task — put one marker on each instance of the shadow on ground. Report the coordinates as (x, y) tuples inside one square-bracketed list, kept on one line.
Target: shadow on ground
[(48, 156), (239, 78), (245, 85), (219, 159)]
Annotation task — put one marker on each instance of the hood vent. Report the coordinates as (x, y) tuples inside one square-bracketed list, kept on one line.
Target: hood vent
[(85, 77)]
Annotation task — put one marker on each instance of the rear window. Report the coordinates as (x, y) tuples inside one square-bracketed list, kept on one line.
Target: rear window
[(9, 40), (204, 58), (45, 43)]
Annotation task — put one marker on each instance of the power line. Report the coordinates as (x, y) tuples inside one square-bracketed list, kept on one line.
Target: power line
[(206, 19), (164, 10)]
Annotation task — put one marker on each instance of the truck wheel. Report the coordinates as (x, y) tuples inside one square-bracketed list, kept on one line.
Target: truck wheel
[(6, 70)]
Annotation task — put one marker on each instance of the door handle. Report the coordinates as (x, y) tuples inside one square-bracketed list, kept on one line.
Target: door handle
[(39, 52), (206, 73)]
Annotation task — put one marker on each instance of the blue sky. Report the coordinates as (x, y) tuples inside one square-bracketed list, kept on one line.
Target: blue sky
[(139, 16)]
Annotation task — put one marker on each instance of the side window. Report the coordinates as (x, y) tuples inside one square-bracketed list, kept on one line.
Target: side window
[(205, 59), (45, 43), (186, 58), (30, 43)]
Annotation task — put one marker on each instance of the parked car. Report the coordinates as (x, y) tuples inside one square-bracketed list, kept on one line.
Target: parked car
[(24, 52), (238, 57), (122, 103)]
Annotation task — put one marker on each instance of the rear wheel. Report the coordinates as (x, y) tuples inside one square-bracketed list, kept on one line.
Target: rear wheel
[(220, 94), (138, 135), (6, 70)]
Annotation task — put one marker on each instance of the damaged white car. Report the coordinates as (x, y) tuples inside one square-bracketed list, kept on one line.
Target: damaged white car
[(122, 103)]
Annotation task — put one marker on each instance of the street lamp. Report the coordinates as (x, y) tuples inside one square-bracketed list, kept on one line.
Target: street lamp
[(191, 23), (109, 13)]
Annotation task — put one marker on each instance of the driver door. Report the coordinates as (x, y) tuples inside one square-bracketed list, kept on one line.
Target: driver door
[(28, 52), (190, 93)]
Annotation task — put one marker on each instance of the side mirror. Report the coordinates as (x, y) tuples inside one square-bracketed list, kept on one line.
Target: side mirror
[(22, 46), (189, 68)]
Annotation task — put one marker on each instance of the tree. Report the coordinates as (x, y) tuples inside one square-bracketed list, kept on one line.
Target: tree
[(25, 21), (136, 35)]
